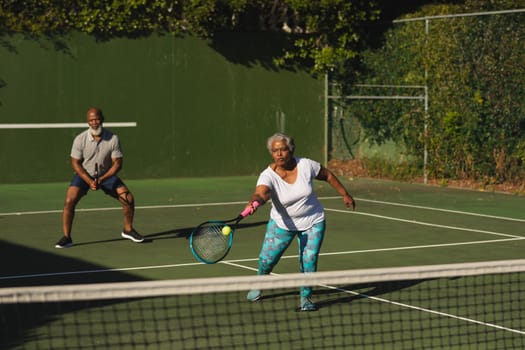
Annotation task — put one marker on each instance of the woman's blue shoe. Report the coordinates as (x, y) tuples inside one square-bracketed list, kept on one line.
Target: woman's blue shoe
[(254, 295)]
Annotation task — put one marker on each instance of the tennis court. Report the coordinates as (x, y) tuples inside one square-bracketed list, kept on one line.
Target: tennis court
[(395, 225)]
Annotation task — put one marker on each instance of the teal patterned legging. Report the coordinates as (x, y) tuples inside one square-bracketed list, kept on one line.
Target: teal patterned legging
[(276, 240)]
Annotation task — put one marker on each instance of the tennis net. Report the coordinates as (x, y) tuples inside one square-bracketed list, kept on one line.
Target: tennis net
[(456, 306)]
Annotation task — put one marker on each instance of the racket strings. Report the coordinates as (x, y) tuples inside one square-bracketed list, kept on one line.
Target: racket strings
[(209, 242)]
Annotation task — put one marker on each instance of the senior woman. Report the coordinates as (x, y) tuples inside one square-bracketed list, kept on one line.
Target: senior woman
[(296, 211)]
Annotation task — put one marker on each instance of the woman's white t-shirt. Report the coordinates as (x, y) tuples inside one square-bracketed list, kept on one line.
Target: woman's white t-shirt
[(295, 207)]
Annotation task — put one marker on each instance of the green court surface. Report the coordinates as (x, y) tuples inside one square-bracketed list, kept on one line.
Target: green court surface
[(395, 224)]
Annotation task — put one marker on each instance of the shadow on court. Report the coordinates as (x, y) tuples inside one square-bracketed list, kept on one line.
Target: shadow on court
[(32, 267), (18, 321), (332, 297), (186, 231), (183, 232), (364, 291)]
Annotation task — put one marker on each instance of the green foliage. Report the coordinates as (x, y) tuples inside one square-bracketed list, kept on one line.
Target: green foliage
[(475, 80), (324, 35), (332, 30), (476, 121), (98, 17), (477, 114)]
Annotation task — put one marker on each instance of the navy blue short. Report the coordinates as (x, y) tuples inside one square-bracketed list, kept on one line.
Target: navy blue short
[(109, 186)]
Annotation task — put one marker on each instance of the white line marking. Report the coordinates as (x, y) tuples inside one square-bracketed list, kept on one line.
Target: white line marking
[(435, 209), (441, 245), (243, 202), (234, 262), (61, 125), (83, 272), (511, 238), (167, 206), (402, 305), (424, 223), (413, 307)]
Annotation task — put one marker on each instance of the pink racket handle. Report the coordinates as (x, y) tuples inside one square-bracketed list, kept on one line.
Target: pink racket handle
[(250, 210)]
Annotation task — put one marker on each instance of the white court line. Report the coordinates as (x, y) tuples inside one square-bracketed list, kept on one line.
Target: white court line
[(425, 223), (422, 309), (435, 209), (167, 206), (62, 125), (84, 272), (402, 305), (233, 262), (511, 238), (392, 249)]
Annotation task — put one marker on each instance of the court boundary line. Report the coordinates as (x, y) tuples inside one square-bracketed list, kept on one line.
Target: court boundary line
[(510, 237), (393, 249), (402, 305), (423, 223), (160, 206), (415, 206), (434, 312), (12, 126), (233, 261), (167, 206), (445, 210)]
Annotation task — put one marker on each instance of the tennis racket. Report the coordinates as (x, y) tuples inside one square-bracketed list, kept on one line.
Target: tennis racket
[(96, 175), (209, 243)]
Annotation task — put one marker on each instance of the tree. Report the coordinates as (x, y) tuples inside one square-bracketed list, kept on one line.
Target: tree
[(476, 120), (323, 34)]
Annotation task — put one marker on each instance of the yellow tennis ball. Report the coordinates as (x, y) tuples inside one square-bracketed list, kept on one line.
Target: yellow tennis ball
[(226, 230)]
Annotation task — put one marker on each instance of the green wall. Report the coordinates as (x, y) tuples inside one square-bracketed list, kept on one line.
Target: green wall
[(202, 108)]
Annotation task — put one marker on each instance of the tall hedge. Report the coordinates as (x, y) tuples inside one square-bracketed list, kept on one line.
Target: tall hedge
[(473, 67)]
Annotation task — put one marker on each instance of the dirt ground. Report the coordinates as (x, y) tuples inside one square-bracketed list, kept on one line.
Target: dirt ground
[(354, 168)]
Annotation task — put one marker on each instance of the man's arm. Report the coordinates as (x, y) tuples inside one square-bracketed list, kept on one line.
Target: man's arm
[(80, 171), (115, 168)]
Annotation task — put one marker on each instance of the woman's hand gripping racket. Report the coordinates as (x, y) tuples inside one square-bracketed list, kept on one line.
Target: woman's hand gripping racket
[(211, 241)]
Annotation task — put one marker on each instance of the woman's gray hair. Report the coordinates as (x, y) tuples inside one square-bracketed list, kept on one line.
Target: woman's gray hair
[(278, 136)]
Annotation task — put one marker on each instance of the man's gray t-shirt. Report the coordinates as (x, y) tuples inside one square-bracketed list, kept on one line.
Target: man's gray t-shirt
[(91, 152)]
